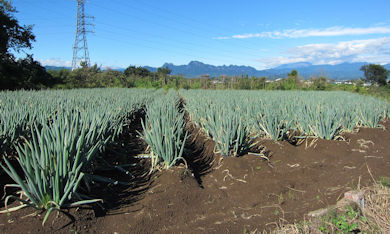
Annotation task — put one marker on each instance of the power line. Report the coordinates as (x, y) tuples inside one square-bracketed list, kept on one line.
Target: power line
[(145, 46), (172, 28), (228, 53), (223, 53), (172, 42), (170, 13), (155, 45)]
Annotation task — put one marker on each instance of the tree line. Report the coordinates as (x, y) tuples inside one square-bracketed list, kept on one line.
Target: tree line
[(24, 72), (140, 77)]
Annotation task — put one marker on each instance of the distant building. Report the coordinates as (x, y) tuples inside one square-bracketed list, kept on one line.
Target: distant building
[(348, 82), (217, 82), (204, 76)]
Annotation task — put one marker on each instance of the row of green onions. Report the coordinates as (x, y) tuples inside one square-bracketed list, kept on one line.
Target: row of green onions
[(163, 130), (57, 136), (234, 118)]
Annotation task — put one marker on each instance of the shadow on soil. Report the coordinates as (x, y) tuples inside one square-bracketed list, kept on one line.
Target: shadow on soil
[(199, 152), (129, 176)]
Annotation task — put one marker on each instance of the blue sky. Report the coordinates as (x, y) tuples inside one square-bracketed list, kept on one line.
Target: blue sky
[(257, 33)]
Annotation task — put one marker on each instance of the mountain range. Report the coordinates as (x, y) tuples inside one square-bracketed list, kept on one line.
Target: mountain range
[(343, 71)]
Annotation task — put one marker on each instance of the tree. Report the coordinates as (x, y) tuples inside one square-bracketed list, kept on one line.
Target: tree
[(293, 81), (375, 74), (163, 72), (137, 71), (83, 77), (33, 75), (319, 83), (12, 35), (23, 73), (59, 76), (294, 73)]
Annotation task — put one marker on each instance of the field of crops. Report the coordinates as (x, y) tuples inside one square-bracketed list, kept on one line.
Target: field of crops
[(232, 118), (51, 142)]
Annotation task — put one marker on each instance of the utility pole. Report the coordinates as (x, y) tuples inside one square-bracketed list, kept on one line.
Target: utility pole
[(80, 47)]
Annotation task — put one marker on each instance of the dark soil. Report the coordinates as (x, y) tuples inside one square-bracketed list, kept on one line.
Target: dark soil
[(225, 195)]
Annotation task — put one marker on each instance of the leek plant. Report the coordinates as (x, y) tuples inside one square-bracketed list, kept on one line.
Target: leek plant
[(228, 129), (52, 163), (274, 121), (20, 110), (369, 116), (63, 133), (273, 114), (349, 121), (221, 117), (325, 123), (163, 130)]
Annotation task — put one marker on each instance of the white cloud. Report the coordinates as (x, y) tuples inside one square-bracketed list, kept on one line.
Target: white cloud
[(371, 50), (221, 38), (300, 33), (59, 62)]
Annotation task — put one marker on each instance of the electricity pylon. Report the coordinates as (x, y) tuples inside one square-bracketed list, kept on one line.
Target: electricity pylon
[(80, 47)]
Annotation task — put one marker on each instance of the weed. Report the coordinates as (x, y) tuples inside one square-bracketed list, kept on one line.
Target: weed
[(276, 212), (234, 214), (281, 199), (301, 226), (351, 212), (258, 168), (290, 195), (345, 222), (384, 181)]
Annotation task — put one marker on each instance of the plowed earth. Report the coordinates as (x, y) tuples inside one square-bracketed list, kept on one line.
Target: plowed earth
[(220, 195)]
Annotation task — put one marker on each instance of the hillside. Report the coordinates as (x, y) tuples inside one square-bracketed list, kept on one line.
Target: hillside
[(343, 71)]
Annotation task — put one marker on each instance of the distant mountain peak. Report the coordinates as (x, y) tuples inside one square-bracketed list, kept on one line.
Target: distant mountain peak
[(167, 64), (294, 65), (194, 63)]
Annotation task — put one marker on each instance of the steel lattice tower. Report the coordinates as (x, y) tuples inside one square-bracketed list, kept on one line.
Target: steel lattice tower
[(80, 47)]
